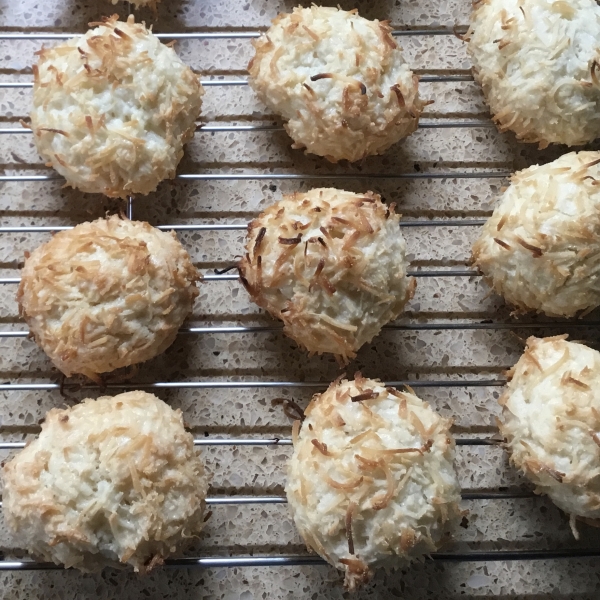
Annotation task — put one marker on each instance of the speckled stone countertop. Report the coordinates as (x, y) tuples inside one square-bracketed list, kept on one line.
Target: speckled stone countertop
[(438, 354)]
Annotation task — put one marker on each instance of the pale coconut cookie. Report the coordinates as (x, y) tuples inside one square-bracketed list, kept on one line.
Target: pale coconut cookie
[(541, 246), (108, 482), (106, 295), (551, 420), (371, 482), (113, 109), (331, 265), (339, 81), (537, 62)]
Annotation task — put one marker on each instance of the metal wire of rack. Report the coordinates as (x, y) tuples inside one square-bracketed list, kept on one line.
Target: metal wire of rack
[(460, 325)]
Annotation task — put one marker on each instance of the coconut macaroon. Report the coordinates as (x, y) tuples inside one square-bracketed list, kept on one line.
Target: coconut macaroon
[(110, 481), (106, 294), (331, 265), (371, 481), (537, 63), (551, 420), (338, 79), (540, 247), (113, 108)]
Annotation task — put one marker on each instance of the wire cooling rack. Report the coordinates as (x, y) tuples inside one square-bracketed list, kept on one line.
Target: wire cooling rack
[(492, 322)]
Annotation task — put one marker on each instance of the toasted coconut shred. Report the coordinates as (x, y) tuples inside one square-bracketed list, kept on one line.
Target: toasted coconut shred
[(338, 79), (540, 248), (108, 482), (113, 108), (384, 494), (552, 423), (106, 294), (536, 61), (331, 265)]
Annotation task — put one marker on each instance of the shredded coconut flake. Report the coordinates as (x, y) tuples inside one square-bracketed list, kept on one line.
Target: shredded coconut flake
[(106, 294), (331, 265), (338, 79), (112, 109), (367, 503), (109, 481), (536, 61), (540, 248), (551, 423)]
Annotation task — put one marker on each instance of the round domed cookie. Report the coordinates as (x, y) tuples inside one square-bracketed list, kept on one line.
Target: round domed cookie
[(107, 482), (106, 294), (540, 247), (113, 108), (339, 81), (551, 421), (371, 481), (537, 63), (331, 265)]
